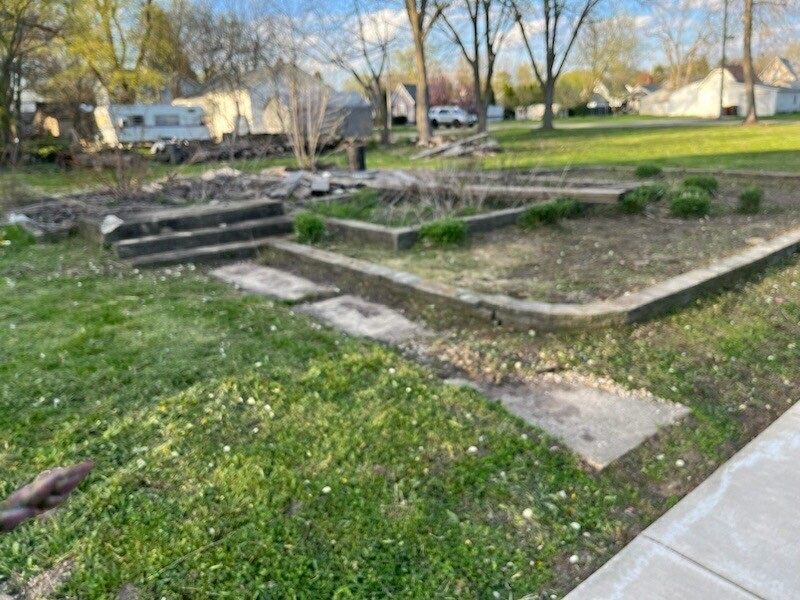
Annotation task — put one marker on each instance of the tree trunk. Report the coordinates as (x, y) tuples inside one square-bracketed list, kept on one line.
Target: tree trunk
[(749, 78), (423, 124), (6, 110), (481, 100), (383, 116), (549, 96)]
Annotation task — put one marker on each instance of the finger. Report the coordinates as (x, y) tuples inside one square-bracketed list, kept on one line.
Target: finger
[(11, 519)]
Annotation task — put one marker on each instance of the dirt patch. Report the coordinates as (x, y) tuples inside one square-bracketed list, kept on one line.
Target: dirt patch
[(600, 256)]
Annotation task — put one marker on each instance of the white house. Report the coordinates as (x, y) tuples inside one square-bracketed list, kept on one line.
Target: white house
[(535, 112), (404, 103), (702, 98), (782, 72), (635, 94), (257, 103)]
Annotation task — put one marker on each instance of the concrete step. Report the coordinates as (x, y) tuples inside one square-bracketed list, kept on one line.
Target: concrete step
[(216, 252), (193, 217), (208, 236), (273, 283)]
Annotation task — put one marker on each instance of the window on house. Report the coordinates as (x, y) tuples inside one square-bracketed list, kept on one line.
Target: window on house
[(168, 120)]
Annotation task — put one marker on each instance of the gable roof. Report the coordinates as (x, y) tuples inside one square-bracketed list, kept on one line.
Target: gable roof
[(737, 72), (782, 72), (792, 67), (411, 89), (277, 75)]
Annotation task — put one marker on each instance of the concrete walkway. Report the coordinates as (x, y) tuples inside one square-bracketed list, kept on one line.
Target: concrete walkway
[(736, 536)]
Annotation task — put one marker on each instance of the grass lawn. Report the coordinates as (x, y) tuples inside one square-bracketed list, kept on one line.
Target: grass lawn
[(218, 421), (772, 146)]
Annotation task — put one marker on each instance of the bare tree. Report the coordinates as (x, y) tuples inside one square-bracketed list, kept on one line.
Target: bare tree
[(479, 37), (609, 49), (562, 22), (361, 44), (749, 76), (422, 15), (301, 102), (26, 26), (305, 117), (767, 13), (685, 29)]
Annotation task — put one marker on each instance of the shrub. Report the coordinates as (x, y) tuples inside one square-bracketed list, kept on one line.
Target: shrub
[(14, 237), (359, 207), (707, 182), (309, 228), (690, 202), (645, 171), (444, 232), (548, 213), (638, 199), (750, 200)]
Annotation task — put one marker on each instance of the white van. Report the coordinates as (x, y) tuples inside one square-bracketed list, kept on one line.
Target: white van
[(147, 123)]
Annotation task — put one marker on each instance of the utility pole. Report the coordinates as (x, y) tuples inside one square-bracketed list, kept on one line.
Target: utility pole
[(722, 64)]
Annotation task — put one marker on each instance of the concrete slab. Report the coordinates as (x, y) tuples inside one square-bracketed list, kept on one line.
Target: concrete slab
[(743, 522), (358, 317), (740, 525), (600, 426), (648, 570), (274, 283)]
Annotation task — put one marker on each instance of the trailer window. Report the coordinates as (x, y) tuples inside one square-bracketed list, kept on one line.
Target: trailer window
[(168, 120), (133, 121)]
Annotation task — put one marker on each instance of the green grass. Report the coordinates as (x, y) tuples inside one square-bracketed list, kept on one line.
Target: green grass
[(216, 420), (199, 491), (771, 146)]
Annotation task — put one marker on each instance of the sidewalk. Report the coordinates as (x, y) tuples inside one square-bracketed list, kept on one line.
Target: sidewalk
[(737, 536)]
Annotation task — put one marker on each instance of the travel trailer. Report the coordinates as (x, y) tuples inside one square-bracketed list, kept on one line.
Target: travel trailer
[(122, 124)]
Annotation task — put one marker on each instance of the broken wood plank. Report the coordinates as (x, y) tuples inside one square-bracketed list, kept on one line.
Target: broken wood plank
[(445, 147)]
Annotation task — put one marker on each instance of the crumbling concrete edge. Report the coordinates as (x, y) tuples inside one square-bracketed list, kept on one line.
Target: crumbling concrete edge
[(360, 276), (403, 238)]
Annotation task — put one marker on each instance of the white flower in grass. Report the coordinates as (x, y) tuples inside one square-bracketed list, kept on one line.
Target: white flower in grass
[(273, 328), (680, 463), (226, 448), (472, 450), (573, 559), (141, 463), (326, 489), (527, 513), (575, 526), (251, 401)]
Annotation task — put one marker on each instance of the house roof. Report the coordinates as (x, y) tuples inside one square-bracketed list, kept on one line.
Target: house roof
[(275, 73), (411, 89), (791, 66), (737, 72), (790, 76)]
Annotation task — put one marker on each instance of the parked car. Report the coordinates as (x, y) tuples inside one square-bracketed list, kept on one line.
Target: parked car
[(450, 116)]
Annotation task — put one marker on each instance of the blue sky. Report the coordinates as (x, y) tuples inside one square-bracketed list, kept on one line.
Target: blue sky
[(652, 48)]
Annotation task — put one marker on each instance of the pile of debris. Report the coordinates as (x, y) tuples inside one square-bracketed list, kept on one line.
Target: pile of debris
[(477, 145), (216, 186)]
